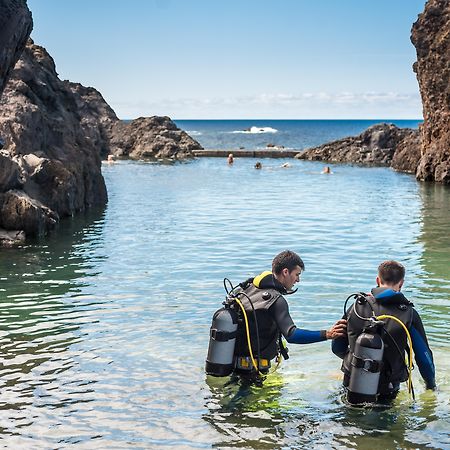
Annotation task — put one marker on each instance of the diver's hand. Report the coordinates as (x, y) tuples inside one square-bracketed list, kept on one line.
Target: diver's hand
[(339, 329)]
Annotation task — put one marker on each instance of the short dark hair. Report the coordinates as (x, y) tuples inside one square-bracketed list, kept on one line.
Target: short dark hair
[(286, 259), (391, 272)]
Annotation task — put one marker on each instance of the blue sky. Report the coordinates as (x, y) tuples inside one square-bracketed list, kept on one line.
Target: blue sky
[(218, 59)]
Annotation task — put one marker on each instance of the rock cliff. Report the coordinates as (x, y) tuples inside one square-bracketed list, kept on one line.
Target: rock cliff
[(15, 28), (431, 37), (51, 157), (376, 146), (54, 134)]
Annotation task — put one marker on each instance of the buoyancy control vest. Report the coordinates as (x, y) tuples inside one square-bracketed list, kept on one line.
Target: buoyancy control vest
[(394, 369), (262, 300)]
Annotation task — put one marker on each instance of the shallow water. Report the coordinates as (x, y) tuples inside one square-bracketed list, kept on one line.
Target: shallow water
[(104, 325)]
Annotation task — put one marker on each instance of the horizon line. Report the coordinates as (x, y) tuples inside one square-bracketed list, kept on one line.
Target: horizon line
[(335, 120)]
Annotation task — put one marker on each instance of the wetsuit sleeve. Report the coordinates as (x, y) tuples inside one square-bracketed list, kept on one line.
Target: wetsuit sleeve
[(422, 352), (339, 346), (294, 335)]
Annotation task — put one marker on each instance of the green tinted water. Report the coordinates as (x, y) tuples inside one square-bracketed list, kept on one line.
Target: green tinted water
[(104, 325)]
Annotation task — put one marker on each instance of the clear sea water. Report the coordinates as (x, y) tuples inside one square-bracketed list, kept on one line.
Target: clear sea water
[(292, 134), (104, 324)]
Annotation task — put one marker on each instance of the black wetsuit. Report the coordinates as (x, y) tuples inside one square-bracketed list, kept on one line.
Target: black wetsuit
[(273, 317)]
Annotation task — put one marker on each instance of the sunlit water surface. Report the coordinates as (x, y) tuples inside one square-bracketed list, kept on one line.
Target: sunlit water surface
[(104, 325)]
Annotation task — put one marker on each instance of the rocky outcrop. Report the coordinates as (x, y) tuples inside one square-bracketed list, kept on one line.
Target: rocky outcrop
[(97, 117), (152, 138), (15, 28), (407, 153), (376, 146), (54, 135), (51, 157), (431, 37)]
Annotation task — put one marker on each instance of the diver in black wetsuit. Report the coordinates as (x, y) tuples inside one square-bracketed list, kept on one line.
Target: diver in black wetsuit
[(266, 293), (386, 299)]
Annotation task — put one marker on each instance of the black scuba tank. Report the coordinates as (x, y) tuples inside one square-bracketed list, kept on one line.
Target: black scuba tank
[(222, 340), (366, 364)]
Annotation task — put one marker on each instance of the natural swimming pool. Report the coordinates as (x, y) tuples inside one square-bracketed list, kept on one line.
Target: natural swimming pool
[(104, 325)]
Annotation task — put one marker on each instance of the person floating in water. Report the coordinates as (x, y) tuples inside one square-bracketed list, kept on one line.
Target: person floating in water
[(367, 359), (258, 165), (230, 159), (260, 316), (327, 170)]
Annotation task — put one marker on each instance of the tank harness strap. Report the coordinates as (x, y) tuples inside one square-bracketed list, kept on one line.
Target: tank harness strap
[(369, 365), (222, 336)]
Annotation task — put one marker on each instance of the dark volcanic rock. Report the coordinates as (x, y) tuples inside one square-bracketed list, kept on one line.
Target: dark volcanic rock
[(376, 146), (15, 28), (97, 117), (55, 133), (431, 37), (152, 137), (407, 155), (54, 146)]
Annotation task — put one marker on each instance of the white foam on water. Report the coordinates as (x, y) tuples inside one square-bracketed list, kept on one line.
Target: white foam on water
[(256, 130)]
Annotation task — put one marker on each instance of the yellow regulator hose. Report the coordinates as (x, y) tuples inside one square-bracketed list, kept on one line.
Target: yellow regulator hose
[(247, 329), (386, 316)]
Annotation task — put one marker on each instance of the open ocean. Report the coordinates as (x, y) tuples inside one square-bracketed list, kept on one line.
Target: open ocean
[(292, 134)]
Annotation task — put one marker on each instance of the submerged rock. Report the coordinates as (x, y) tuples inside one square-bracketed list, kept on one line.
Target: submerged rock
[(375, 146), (152, 138), (11, 238), (431, 37)]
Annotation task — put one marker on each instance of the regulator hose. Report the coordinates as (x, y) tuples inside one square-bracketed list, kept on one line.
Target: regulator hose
[(408, 362)]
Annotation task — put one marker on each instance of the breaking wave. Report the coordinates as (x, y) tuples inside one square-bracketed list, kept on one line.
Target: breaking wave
[(256, 130)]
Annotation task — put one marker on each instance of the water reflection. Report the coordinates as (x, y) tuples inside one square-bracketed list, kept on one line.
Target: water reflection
[(40, 321), (434, 281), (105, 324), (246, 415), (435, 236)]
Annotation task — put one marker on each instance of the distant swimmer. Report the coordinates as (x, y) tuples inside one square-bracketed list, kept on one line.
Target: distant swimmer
[(327, 170), (285, 165), (111, 158), (230, 159), (258, 165)]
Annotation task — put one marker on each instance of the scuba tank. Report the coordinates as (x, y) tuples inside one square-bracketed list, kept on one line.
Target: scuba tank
[(222, 340), (366, 364)]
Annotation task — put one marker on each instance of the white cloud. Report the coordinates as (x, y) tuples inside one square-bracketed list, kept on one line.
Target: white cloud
[(307, 105)]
